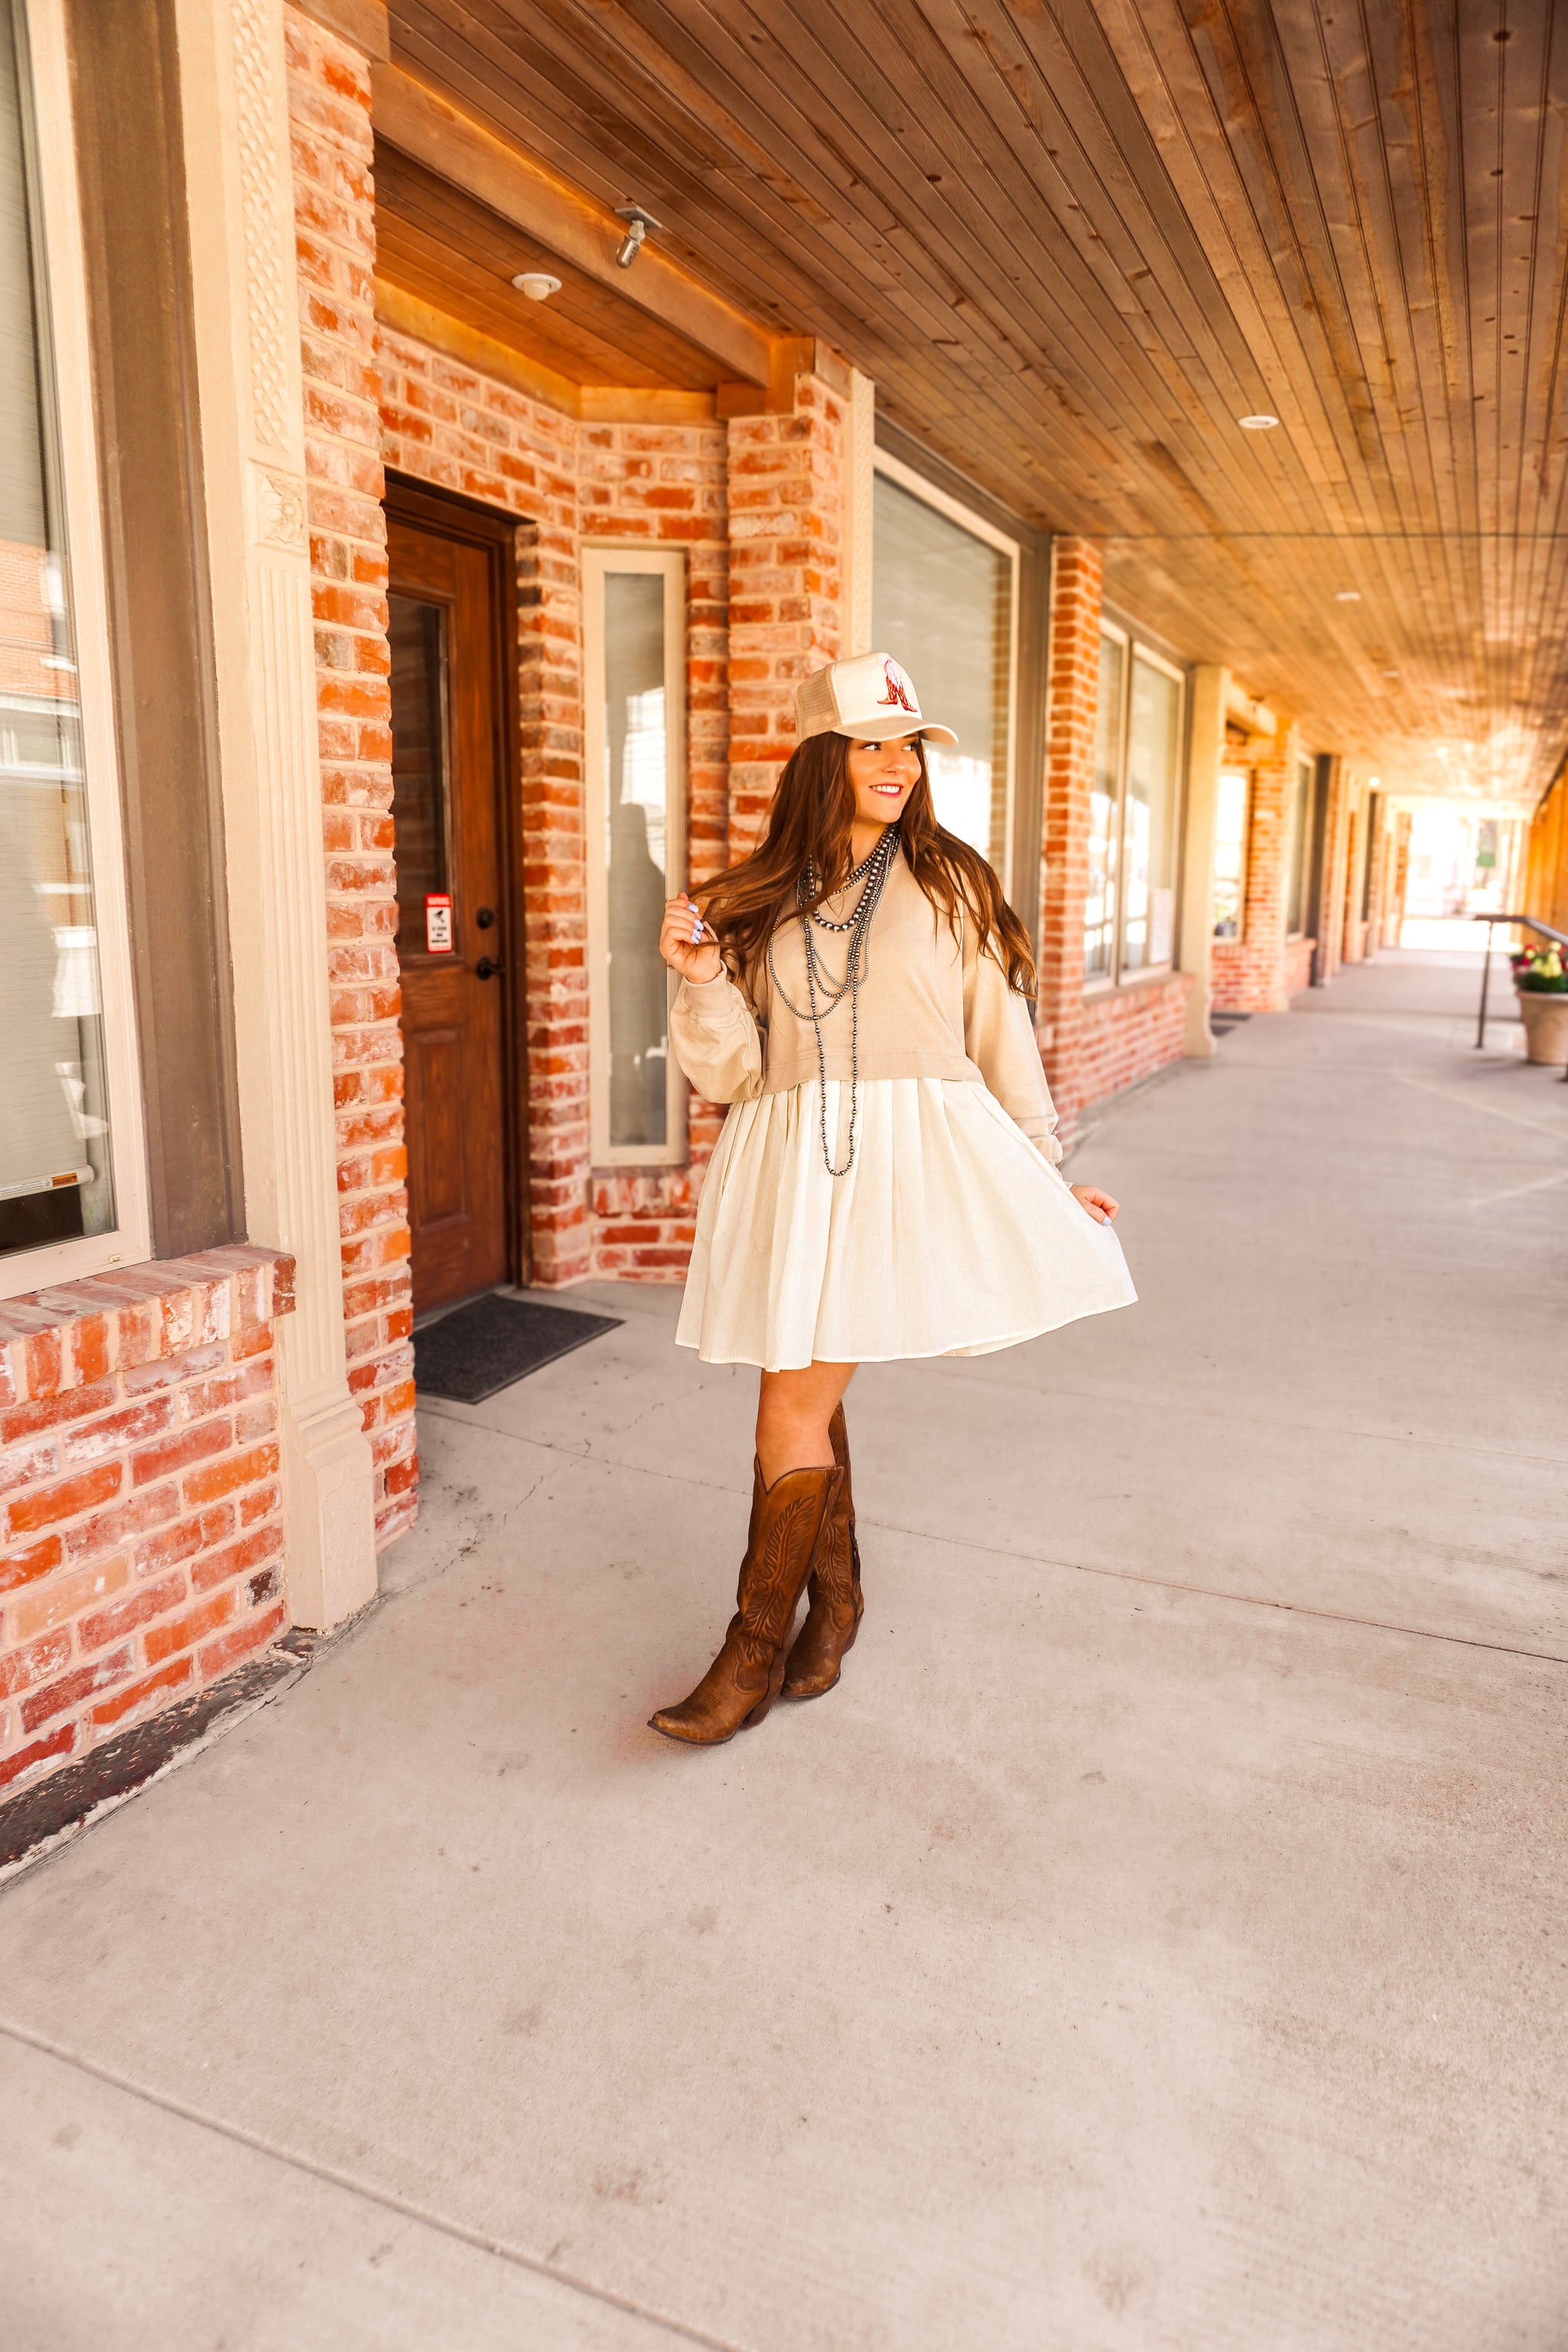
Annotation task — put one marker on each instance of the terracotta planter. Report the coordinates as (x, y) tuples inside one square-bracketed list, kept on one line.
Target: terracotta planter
[(1545, 1017)]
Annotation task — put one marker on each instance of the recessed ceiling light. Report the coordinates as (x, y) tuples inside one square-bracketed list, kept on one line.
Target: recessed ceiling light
[(1259, 423), (1391, 673), (1347, 595), (537, 284)]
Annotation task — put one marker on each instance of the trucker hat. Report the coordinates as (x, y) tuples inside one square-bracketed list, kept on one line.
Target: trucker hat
[(871, 697)]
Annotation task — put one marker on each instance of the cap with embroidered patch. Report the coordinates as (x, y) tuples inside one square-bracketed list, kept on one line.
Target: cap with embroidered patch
[(871, 697)]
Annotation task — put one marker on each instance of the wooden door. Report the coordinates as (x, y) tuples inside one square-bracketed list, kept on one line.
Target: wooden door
[(448, 767)]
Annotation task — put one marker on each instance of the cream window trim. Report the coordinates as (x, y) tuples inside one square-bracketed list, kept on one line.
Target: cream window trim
[(670, 564), (45, 68), (1136, 650), (883, 462)]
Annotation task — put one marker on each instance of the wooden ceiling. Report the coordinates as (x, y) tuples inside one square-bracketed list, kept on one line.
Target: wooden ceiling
[(1073, 241)]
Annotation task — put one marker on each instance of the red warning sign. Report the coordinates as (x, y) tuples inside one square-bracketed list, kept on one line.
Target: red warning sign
[(437, 923)]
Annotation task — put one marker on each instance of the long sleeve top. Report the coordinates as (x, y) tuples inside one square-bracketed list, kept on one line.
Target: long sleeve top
[(931, 1007)]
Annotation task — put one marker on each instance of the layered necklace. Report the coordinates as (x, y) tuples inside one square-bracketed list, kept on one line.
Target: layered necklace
[(873, 872)]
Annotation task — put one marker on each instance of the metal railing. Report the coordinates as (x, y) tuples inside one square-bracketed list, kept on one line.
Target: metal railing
[(1530, 924)]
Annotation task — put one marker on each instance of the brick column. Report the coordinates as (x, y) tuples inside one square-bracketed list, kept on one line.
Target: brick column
[(334, 213), (1250, 976), (786, 537), (1073, 688), (1336, 845)]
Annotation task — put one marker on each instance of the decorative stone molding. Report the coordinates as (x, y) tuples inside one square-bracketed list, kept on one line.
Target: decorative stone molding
[(266, 217), (860, 512), (280, 510), (233, 105)]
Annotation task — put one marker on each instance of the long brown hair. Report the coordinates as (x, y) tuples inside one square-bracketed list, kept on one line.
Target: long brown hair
[(810, 822)]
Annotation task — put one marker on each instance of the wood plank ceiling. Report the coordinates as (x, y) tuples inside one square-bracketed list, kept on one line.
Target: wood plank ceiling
[(1073, 241)]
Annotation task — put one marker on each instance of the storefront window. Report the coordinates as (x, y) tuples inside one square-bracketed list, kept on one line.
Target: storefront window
[(1134, 813), (636, 698), (55, 1183), (1232, 817), (943, 599), (1300, 848), (1149, 822), (1100, 906)]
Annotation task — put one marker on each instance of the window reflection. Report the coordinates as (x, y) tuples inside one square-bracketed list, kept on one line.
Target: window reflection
[(55, 1180), (636, 801), (942, 604)]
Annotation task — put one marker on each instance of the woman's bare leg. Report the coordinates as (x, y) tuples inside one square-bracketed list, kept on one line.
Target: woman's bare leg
[(794, 1409)]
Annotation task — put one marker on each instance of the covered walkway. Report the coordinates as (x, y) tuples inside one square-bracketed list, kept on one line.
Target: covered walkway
[(1156, 1943)]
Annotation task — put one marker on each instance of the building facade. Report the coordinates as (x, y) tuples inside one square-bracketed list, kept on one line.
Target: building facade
[(380, 651)]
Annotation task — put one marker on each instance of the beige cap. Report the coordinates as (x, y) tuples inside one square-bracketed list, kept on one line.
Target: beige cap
[(870, 696)]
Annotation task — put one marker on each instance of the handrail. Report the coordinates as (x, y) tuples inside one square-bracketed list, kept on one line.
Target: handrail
[(1532, 923)]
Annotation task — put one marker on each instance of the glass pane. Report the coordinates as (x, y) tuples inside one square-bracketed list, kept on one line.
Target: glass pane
[(54, 1179), (1230, 852), (1300, 836), (1100, 906), (1149, 822), (419, 770), (636, 801), (942, 604)]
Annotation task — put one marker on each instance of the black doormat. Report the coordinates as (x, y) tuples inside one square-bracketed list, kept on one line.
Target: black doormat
[(492, 1341)]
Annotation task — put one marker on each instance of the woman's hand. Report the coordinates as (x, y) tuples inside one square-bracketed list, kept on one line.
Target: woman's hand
[(1100, 1205), (686, 943)]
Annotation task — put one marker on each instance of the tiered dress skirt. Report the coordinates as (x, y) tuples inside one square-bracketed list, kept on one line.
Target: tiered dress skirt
[(951, 1235)]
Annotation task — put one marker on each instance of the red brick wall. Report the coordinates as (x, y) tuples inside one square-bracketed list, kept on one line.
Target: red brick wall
[(1297, 966), (1248, 974), (1128, 1033), (786, 564), (141, 1514), (328, 105), (1091, 1045)]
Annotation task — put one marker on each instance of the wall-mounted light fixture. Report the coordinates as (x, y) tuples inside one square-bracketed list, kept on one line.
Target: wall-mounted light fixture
[(638, 224), (537, 284)]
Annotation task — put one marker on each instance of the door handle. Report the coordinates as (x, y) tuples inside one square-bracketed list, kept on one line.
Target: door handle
[(487, 968)]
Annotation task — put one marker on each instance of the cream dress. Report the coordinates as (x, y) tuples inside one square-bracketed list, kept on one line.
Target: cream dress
[(953, 1234)]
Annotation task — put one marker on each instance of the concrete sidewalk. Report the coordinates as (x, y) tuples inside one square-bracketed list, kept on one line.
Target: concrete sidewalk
[(1155, 1944)]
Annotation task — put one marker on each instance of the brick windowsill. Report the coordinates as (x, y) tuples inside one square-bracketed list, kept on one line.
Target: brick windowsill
[(71, 1333)]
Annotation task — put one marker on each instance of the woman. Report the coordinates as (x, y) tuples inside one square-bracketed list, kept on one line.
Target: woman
[(886, 1182)]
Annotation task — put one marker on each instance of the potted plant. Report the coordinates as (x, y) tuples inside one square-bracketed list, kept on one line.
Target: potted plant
[(1541, 984)]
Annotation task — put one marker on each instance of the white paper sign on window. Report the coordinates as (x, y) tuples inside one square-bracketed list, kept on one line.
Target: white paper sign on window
[(437, 923)]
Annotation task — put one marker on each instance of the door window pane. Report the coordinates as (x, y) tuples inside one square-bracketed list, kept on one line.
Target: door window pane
[(1100, 906), (419, 764), (55, 1176), (637, 802), (1300, 842), (942, 604), (1230, 852), (1149, 821)]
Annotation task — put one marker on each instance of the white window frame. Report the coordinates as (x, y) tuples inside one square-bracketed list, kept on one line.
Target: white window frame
[(883, 462), (46, 76), (1137, 649), (667, 563)]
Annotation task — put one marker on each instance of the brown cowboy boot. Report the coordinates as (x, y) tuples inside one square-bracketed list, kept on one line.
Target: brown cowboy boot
[(787, 1520), (837, 1606)]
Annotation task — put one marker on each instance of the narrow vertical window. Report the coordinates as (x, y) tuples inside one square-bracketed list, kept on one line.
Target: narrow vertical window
[(58, 1183), (1300, 849), (1104, 810), (944, 603), (1148, 818), (1232, 819), (635, 638)]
